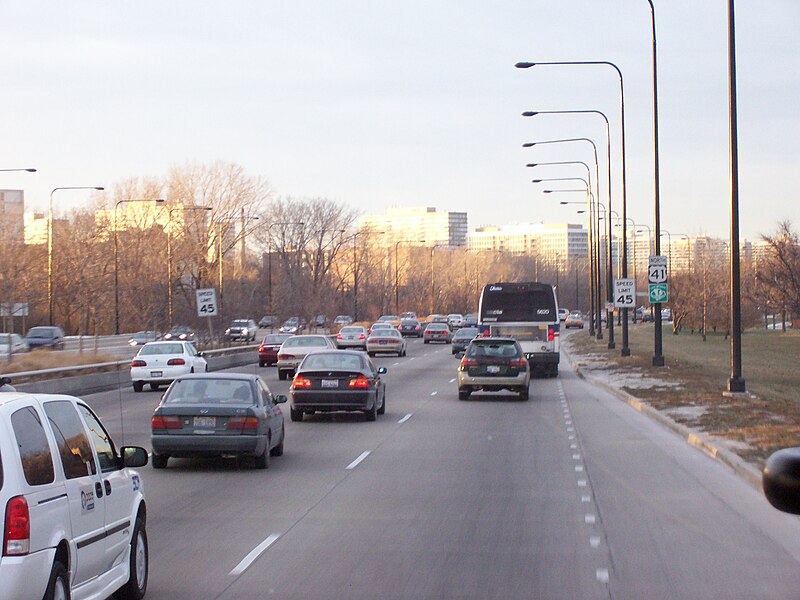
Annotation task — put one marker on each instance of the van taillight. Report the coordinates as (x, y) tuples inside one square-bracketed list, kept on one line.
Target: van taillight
[(17, 539), (138, 363)]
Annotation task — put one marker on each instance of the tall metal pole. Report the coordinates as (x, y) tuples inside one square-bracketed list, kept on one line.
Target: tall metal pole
[(355, 279), (736, 381), (658, 354)]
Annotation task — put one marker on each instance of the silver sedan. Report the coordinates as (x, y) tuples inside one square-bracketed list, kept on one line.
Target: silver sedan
[(386, 340)]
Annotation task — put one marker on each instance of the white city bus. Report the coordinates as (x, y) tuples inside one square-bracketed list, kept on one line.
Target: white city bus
[(527, 312)]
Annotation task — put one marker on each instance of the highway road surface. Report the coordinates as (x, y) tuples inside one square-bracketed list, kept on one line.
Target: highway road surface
[(572, 494)]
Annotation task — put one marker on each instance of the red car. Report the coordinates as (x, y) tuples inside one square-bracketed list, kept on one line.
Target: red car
[(268, 350)]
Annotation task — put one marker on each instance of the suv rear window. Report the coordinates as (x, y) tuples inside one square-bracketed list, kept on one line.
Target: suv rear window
[(509, 349), (34, 451)]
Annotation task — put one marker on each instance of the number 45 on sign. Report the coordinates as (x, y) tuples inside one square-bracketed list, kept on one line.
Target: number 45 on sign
[(624, 293), (206, 302)]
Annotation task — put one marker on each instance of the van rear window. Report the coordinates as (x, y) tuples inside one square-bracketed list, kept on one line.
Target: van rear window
[(34, 451)]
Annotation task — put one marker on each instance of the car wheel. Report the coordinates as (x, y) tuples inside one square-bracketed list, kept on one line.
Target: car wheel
[(154, 387), (296, 414), (463, 394), (426, 341), (372, 414), (371, 353), (278, 450), (58, 585), (524, 393), (262, 461), (261, 363), (281, 374), (139, 559), (382, 409), (138, 386), (205, 368), (159, 460), (191, 370)]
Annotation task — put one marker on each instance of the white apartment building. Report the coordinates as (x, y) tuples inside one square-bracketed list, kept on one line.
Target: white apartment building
[(423, 225), (551, 242)]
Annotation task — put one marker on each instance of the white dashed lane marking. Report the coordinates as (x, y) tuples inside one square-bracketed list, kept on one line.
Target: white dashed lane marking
[(594, 541), (434, 393), (590, 519), (357, 461), (602, 575), (253, 555), (406, 418), (452, 380)]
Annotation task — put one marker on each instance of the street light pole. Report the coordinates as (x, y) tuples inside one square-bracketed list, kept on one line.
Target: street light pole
[(50, 243), (432, 274), (525, 65), (116, 257), (736, 383), (241, 236), (397, 272)]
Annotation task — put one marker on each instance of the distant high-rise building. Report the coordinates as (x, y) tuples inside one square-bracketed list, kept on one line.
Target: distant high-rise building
[(424, 225), (557, 242), (12, 210), (35, 228)]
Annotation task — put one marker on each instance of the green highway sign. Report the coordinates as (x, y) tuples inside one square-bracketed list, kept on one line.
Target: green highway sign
[(658, 293)]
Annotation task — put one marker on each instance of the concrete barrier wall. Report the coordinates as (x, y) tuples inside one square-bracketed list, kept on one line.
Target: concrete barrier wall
[(91, 383)]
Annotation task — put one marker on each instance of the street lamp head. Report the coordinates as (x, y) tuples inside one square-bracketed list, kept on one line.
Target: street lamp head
[(537, 180), (528, 144), (525, 65), (548, 191), (159, 200), (30, 170), (530, 113), (98, 188), (580, 212), (565, 202)]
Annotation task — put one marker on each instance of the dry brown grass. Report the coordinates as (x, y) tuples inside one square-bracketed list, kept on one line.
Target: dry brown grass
[(46, 359), (758, 424)]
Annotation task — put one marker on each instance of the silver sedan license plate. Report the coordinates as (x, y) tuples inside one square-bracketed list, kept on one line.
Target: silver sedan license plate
[(330, 383)]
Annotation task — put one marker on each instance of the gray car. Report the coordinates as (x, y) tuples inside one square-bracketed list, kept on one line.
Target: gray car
[(294, 350), (210, 415), (462, 338), (352, 336), (491, 365)]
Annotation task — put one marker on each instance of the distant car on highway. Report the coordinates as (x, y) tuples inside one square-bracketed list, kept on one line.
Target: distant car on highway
[(341, 320), (462, 338), (494, 364), (394, 320), (268, 350), (334, 381), (45, 336), (408, 315), (411, 327), (437, 332), (209, 415), (268, 321), (15, 341), (181, 333), (352, 336), (159, 363), (140, 338), (242, 330), (454, 321), (380, 325), (574, 319), (293, 325), (294, 350), (563, 313), (320, 321), (470, 320), (386, 340)]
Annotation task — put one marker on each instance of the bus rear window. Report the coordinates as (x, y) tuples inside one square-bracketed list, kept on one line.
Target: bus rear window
[(511, 306)]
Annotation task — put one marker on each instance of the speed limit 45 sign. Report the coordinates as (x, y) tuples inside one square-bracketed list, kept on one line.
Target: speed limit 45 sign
[(624, 293), (206, 302)]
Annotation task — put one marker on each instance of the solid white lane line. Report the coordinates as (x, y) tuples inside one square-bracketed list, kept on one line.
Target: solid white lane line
[(434, 393), (357, 461), (406, 418), (254, 554), (602, 575)]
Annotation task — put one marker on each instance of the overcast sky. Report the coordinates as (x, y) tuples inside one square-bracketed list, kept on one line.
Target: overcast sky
[(380, 104)]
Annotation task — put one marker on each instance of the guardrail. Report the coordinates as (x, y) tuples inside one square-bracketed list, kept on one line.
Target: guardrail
[(98, 377)]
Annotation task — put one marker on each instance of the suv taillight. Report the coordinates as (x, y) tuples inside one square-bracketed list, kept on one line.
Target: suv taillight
[(17, 539), (467, 362), (519, 362)]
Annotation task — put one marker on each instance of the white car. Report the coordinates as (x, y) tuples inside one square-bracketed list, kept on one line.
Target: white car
[(294, 350), (455, 320), (72, 507), (159, 363), (17, 344)]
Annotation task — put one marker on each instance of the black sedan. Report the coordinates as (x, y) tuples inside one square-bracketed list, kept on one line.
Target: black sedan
[(462, 338), (410, 327), (210, 415), (329, 381)]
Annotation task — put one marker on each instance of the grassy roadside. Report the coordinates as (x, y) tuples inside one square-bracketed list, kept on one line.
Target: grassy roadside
[(690, 387), (47, 359)]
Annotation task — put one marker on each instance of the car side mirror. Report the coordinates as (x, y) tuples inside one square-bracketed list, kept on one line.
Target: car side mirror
[(201, 354), (133, 456), (781, 480), (279, 398), (381, 370)]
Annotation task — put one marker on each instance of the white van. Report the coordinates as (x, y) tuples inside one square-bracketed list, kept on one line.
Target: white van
[(72, 509)]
